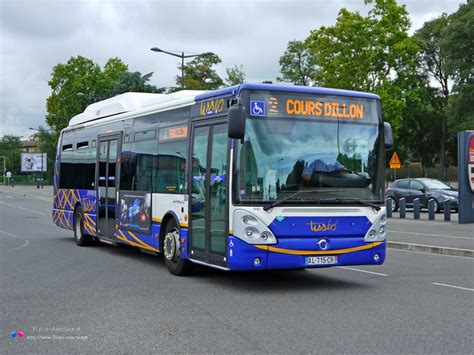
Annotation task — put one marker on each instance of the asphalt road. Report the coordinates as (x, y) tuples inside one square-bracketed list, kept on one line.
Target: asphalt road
[(102, 299), (438, 233)]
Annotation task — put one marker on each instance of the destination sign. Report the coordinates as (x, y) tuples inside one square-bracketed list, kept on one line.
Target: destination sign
[(210, 107), (310, 106)]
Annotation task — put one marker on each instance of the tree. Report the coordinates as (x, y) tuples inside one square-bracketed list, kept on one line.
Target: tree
[(235, 75), (10, 147), (369, 53), (298, 64), (46, 144), (456, 43), (84, 77), (433, 60), (134, 82), (79, 74), (199, 74), (422, 123)]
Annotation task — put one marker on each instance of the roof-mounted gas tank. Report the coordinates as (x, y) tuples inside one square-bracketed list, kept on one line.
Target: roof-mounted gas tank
[(130, 101)]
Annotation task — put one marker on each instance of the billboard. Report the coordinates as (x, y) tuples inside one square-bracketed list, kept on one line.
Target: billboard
[(33, 162)]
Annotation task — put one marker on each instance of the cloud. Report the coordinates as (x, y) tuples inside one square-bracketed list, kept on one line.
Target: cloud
[(36, 35)]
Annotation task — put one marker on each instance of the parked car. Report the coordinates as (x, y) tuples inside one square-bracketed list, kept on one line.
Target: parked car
[(423, 188)]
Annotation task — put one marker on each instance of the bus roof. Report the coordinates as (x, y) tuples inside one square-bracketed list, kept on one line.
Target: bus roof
[(134, 103), (287, 88)]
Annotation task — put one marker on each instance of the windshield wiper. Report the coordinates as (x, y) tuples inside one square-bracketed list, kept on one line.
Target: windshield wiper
[(326, 200), (279, 202)]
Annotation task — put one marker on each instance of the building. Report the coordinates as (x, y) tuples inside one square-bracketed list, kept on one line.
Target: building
[(29, 146)]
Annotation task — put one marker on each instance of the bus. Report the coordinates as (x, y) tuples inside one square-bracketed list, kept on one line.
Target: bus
[(249, 177)]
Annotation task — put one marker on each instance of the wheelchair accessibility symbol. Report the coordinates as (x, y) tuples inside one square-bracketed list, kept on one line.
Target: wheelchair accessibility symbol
[(257, 108)]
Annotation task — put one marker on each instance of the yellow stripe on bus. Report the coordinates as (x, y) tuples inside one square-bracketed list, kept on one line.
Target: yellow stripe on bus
[(317, 252)]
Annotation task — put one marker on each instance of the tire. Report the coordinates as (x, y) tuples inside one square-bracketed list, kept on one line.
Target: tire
[(81, 238), (175, 264), (437, 207), (394, 204)]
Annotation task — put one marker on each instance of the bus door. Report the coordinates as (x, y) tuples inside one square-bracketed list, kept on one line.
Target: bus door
[(208, 191), (108, 149)]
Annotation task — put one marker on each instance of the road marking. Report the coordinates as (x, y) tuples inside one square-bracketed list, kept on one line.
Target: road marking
[(11, 235), (365, 271), (425, 253), (430, 235), (458, 287), (21, 246), (22, 208), (26, 241)]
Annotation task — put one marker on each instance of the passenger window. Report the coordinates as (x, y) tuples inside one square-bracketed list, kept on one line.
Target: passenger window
[(404, 184), (415, 185)]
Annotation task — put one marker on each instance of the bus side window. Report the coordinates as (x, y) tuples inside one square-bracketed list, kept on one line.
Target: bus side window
[(127, 167), (66, 169), (84, 166), (171, 168), (138, 160)]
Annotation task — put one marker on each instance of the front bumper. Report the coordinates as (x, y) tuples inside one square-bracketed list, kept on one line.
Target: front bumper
[(292, 253)]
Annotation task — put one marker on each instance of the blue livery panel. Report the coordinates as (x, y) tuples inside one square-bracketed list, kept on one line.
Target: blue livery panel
[(64, 202), (303, 237), (342, 226)]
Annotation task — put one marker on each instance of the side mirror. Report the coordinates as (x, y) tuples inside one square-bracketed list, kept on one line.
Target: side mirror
[(388, 136), (237, 121)]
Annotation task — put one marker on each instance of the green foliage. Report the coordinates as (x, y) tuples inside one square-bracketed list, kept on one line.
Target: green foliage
[(235, 75), (297, 64), (371, 53), (419, 133), (79, 74), (10, 148), (84, 77), (199, 74), (134, 82), (46, 143), (457, 42), (433, 65), (433, 59)]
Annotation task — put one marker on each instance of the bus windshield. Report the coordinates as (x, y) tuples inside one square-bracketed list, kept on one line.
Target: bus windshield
[(331, 156)]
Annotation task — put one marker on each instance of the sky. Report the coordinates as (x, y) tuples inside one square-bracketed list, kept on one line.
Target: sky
[(35, 35)]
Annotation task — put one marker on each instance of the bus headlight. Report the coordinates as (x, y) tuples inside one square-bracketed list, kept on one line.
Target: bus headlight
[(251, 233), (378, 231), (250, 229)]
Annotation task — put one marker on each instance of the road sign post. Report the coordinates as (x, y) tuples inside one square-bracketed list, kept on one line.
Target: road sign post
[(395, 163)]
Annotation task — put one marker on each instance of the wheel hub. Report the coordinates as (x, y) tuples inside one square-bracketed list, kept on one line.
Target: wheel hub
[(171, 245)]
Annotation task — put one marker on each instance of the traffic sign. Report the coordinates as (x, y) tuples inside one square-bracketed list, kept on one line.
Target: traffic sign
[(395, 162)]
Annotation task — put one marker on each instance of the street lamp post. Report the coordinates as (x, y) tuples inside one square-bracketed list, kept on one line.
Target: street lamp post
[(182, 56)]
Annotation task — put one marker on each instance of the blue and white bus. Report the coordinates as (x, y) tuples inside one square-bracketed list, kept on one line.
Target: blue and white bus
[(250, 177)]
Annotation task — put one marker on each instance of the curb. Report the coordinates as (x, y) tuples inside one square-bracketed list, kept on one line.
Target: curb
[(431, 249)]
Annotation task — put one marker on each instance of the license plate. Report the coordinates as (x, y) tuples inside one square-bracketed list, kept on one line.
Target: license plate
[(321, 260)]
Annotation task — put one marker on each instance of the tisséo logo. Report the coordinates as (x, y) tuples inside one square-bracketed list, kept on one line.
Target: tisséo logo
[(18, 334)]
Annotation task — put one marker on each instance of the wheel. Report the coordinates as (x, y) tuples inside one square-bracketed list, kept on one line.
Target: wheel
[(172, 251), (394, 203), (81, 238), (436, 204)]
